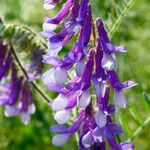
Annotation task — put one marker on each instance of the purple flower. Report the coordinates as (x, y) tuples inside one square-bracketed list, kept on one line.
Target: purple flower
[(11, 94), (5, 60), (15, 94), (26, 106), (66, 132), (94, 67)]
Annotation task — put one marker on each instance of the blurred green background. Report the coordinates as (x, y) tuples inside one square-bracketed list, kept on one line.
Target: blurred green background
[(133, 32)]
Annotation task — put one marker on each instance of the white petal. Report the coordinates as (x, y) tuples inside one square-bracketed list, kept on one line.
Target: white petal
[(48, 27), (60, 102), (25, 117), (31, 108), (72, 28), (80, 67), (115, 59), (62, 116), (108, 62), (87, 140), (48, 6), (103, 89), (54, 48), (100, 89), (100, 119), (53, 52), (60, 75), (76, 28), (10, 110), (48, 77), (48, 34), (120, 99), (60, 139), (85, 99)]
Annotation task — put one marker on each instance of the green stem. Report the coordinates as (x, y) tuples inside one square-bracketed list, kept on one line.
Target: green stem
[(140, 129), (118, 21), (39, 90), (113, 7)]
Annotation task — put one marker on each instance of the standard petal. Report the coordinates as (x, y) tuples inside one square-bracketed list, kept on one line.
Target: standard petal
[(62, 116), (120, 100)]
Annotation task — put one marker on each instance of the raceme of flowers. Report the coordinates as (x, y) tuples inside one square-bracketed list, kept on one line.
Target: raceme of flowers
[(15, 93), (95, 68)]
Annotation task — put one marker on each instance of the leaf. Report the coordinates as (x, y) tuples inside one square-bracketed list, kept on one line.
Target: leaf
[(136, 115), (142, 123), (146, 101), (120, 14), (28, 47), (111, 18), (123, 122), (140, 129), (118, 10)]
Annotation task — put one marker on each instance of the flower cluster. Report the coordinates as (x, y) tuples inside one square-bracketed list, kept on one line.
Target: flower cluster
[(15, 93), (95, 68)]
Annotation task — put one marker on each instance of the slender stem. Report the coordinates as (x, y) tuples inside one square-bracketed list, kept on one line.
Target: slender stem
[(77, 137), (75, 112), (94, 32), (26, 75), (113, 7), (140, 129)]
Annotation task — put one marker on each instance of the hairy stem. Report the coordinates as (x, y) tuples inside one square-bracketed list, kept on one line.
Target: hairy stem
[(94, 32)]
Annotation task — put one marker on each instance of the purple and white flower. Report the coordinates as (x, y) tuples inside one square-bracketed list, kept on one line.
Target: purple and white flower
[(95, 67)]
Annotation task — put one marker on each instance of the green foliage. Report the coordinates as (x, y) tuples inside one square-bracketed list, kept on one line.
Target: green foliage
[(25, 43), (120, 12)]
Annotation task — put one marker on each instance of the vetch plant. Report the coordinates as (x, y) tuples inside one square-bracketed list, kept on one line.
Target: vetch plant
[(95, 66), (85, 77)]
